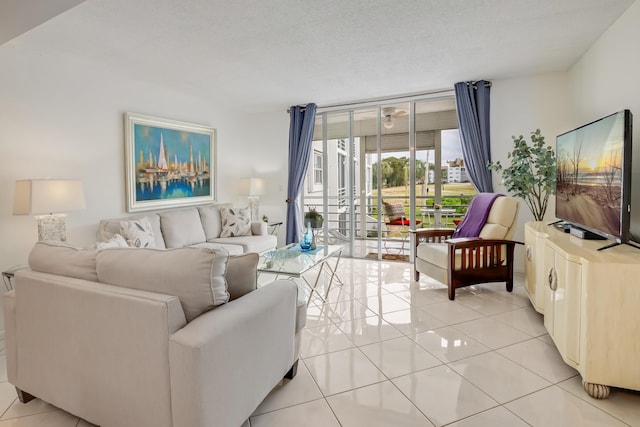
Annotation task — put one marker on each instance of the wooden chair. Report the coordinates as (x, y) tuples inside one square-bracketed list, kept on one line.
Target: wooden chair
[(460, 262)]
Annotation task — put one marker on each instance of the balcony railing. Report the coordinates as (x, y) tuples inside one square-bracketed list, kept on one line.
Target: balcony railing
[(428, 213)]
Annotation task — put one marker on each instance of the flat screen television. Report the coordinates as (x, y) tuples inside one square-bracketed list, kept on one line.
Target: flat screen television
[(593, 176)]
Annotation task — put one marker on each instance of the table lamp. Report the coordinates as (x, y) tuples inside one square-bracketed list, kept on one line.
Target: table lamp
[(48, 200), (254, 188)]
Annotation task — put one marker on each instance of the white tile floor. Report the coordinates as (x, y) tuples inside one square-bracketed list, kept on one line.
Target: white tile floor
[(386, 351)]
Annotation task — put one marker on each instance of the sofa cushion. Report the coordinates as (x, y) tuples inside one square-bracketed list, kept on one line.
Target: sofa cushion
[(138, 233), (230, 249), (250, 243), (242, 274), (211, 219), (235, 222), (59, 258), (181, 228), (194, 275)]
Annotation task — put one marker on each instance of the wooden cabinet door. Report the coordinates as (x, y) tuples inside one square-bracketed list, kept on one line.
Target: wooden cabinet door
[(535, 279), (562, 307)]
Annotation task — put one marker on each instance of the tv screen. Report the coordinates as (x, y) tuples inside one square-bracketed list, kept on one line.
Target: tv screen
[(593, 176)]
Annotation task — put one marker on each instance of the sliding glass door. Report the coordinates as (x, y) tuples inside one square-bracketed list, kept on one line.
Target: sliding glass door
[(397, 155)]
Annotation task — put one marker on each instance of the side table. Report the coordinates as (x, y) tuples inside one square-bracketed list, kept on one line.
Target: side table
[(7, 276), (275, 228)]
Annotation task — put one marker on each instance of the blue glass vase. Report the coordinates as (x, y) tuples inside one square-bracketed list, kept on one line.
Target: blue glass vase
[(308, 239)]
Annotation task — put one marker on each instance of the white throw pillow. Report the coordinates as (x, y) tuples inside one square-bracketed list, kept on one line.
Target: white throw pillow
[(235, 222), (117, 241), (138, 233)]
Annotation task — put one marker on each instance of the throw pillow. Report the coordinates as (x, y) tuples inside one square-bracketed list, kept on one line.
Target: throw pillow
[(235, 222), (194, 275), (242, 274), (117, 241), (394, 210), (138, 233)]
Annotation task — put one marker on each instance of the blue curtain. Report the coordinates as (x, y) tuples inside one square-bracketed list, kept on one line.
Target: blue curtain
[(300, 138), (472, 101)]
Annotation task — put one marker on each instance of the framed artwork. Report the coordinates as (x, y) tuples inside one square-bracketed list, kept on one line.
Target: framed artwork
[(168, 163)]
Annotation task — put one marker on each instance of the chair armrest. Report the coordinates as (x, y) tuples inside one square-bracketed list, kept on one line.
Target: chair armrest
[(431, 235), (471, 242), (426, 233), (224, 362)]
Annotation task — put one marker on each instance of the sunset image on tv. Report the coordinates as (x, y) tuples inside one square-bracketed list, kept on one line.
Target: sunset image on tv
[(589, 175)]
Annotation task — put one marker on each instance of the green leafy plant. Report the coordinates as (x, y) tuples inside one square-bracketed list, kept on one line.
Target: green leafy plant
[(532, 173), (314, 217)]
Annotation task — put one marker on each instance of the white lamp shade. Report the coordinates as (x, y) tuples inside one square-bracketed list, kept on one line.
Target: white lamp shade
[(251, 186), (47, 196)]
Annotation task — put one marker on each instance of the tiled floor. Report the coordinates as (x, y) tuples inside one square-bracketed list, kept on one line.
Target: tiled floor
[(386, 351)]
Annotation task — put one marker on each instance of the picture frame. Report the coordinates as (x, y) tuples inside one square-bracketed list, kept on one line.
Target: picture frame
[(168, 163)]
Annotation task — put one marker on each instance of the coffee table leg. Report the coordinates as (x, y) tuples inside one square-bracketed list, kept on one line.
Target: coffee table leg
[(333, 276), (315, 284)]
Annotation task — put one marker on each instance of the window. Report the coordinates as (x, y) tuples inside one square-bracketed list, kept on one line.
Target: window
[(315, 172)]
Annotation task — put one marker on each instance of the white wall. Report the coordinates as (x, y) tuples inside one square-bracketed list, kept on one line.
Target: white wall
[(61, 117), (605, 80), (518, 107)]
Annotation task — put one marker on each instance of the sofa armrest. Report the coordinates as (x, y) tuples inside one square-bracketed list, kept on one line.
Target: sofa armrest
[(225, 362), (95, 350), (259, 228)]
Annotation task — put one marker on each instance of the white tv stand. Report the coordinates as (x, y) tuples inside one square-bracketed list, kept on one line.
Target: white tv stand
[(591, 304)]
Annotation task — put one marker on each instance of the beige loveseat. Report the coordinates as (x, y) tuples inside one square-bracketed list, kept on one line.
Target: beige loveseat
[(197, 227), (146, 337)]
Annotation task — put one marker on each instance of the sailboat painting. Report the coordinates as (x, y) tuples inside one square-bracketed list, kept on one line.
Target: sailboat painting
[(168, 163)]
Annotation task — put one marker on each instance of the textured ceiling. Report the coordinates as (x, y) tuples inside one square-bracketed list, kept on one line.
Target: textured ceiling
[(267, 55)]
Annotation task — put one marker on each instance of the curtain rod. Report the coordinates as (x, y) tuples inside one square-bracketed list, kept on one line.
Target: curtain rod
[(475, 83), (303, 107), (398, 98)]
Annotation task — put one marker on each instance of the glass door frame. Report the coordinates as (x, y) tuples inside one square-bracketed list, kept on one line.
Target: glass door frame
[(325, 112)]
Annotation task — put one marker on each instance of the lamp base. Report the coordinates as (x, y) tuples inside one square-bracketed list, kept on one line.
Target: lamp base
[(52, 227), (255, 208)]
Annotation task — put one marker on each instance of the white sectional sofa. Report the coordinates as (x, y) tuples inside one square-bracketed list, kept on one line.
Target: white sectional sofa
[(196, 227), (147, 337)]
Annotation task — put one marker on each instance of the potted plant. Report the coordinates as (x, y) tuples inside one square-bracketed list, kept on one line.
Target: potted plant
[(314, 218), (532, 173)]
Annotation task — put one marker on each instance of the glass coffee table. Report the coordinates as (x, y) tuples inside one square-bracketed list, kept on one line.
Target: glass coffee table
[(293, 262)]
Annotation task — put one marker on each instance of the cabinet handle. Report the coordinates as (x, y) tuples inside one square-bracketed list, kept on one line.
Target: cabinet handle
[(553, 279), (529, 253)]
